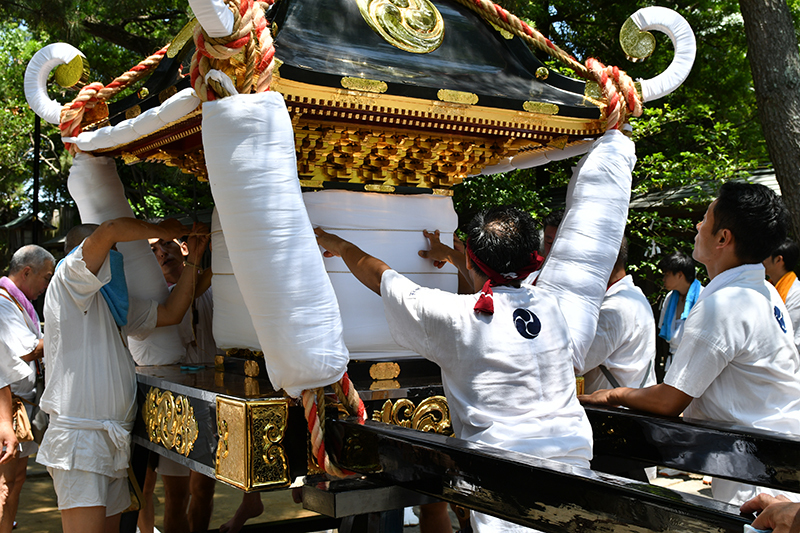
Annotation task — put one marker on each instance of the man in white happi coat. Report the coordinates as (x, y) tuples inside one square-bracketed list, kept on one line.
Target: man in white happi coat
[(506, 351), (21, 349), (91, 382), (737, 361), (624, 348), (779, 267)]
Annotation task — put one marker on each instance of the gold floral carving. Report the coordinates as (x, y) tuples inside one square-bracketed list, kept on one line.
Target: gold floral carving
[(365, 85), (412, 25), (579, 383), (170, 420), (431, 415), (270, 466)]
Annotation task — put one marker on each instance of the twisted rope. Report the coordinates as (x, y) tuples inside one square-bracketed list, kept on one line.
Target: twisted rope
[(88, 97), (613, 81), (314, 407), (621, 94), (520, 28), (250, 37)]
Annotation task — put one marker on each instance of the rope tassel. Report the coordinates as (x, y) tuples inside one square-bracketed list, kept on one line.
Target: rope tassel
[(314, 406)]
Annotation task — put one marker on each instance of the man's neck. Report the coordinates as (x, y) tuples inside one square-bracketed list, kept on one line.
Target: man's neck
[(17, 280), (718, 267)]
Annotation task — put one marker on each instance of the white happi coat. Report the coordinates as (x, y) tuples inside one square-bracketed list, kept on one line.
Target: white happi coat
[(738, 361), (625, 342), (90, 390)]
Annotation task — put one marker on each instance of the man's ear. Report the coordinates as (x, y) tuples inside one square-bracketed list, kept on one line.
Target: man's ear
[(470, 265), (778, 259), (184, 248), (725, 237)]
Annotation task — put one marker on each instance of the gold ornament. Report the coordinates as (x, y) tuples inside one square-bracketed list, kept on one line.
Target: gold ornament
[(412, 25), (170, 420)]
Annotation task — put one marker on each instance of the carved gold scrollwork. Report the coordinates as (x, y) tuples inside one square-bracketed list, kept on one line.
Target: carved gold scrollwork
[(411, 25), (170, 420), (432, 415), (269, 422), (222, 447)]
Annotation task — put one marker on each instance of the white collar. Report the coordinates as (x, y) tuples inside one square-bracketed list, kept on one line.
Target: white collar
[(724, 279)]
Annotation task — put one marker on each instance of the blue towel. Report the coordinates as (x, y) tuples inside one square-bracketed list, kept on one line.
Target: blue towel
[(672, 304), (115, 291)]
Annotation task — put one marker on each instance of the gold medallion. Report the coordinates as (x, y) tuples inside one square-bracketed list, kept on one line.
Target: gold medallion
[(412, 25)]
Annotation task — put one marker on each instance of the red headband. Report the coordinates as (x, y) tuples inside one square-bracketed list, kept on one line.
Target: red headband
[(485, 303)]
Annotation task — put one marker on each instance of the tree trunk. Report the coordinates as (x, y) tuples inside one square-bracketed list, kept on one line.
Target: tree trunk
[(775, 64)]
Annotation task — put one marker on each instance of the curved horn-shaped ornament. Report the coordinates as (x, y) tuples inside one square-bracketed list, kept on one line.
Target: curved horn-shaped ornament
[(214, 16), (639, 44), (39, 68)]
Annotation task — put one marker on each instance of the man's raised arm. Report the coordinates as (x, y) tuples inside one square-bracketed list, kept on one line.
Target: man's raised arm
[(172, 311), (589, 236), (110, 232)]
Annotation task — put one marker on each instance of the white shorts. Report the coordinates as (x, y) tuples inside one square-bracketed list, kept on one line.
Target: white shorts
[(78, 488), (168, 467)]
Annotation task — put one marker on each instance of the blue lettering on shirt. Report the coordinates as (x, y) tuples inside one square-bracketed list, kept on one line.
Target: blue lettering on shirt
[(779, 318)]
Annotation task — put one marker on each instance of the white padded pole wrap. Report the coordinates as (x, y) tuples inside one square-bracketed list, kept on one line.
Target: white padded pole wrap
[(232, 325), (588, 239), (249, 150), (680, 33), (389, 227), (39, 68), (95, 186)]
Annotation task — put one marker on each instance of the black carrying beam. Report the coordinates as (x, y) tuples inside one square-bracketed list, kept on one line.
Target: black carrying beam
[(526, 490), (625, 439)]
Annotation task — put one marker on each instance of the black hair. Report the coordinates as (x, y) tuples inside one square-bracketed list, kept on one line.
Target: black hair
[(790, 252), (76, 235), (553, 219), (503, 238), (756, 217), (678, 262), (622, 256)]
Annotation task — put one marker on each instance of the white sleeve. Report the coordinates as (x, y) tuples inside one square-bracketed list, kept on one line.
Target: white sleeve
[(705, 349), (587, 243), (80, 283), (419, 318), (16, 340), (793, 306), (606, 341), (142, 317)]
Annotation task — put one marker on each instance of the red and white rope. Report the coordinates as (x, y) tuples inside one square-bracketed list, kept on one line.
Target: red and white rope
[(250, 36), (314, 406), (73, 112)]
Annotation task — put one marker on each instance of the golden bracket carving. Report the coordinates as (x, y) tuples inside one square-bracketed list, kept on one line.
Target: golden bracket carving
[(170, 420), (250, 452), (431, 415)]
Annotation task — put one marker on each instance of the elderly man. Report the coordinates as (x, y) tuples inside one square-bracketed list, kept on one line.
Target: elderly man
[(21, 348), (91, 382), (737, 361)]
